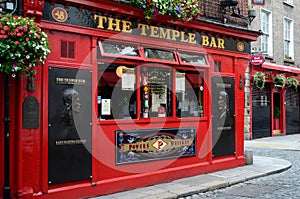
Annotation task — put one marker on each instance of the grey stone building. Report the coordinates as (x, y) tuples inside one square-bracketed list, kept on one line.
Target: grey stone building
[(278, 22)]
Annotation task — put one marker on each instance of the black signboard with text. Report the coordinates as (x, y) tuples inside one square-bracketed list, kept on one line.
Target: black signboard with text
[(70, 127), (223, 127)]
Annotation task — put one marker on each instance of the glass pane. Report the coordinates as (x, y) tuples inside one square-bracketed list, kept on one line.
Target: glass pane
[(156, 93), (120, 49), (189, 94), (116, 92), (159, 54), (192, 58)]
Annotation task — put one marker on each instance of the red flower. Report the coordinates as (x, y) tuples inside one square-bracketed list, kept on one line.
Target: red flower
[(3, 36)]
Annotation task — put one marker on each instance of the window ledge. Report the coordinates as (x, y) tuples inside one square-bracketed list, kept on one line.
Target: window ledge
[(289, 61), (288, 4)]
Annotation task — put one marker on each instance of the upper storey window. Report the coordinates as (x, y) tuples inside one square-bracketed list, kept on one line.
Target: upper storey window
[(266, 38)]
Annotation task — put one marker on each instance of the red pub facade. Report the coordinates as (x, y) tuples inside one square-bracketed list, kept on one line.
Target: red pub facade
[(124, 102)]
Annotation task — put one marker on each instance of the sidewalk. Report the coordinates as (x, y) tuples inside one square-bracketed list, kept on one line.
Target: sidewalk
[(220, 179)]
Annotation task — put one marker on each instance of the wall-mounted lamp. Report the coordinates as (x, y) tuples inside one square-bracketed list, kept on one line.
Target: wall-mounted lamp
[(251, 15), (8, 6), (236, 11)]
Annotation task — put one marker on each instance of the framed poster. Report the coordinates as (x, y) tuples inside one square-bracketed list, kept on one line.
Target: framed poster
[(69, 131), (223, 127)]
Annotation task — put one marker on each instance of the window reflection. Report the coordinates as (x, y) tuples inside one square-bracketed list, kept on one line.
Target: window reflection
[(156, 92), (189, 94), (192, 58), (159, 54), (116, 92), (119, 49)]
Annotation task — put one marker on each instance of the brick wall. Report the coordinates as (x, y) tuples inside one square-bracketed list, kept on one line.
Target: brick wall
[(212, 10)]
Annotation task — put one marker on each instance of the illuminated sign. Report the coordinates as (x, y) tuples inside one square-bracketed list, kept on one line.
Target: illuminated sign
[(154, 144)]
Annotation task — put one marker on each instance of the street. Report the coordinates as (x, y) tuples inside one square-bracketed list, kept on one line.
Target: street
[(280, 186)]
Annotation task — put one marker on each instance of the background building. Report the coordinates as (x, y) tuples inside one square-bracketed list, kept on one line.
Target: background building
[(278, 23)]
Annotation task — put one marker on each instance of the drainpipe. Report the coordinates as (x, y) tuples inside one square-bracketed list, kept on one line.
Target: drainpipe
[(6, 189)]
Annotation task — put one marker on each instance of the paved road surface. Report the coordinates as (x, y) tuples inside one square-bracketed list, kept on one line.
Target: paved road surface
[(285, 185)]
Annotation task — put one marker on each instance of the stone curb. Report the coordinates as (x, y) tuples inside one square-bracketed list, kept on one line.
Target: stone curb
[(207, 182)]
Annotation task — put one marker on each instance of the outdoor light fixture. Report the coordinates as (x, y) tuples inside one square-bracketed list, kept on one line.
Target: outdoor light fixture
[(251, 15), (236, 11), (8, 6)]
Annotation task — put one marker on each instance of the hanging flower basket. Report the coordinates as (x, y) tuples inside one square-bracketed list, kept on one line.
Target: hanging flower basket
[(292, 82), (23, 45), (279, 81), (185, 10), (259, 80)]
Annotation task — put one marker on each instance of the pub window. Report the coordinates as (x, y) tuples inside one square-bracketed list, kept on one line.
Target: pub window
[(159, 54), (189, 93), (217, 66), (67, 49), (155, 90), (108, 48), (192, 58), (116, 91)]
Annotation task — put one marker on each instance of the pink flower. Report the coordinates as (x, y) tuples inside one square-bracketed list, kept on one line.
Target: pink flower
[(27, 38), (17, 42), (3, 36)]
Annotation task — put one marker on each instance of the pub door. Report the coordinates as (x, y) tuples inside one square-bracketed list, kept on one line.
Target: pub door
[(70, 130), (261, 112), (292, 111), (223, 127), (277, 113)]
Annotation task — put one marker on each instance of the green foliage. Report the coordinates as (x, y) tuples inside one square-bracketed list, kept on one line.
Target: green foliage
[(185, 10), (23, 45), (279, 81), (259, 79), (276, 112), (292, 82)]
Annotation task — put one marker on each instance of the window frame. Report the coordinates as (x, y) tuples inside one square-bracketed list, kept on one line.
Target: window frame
[(111, 55), (142, 61), (289, 2), (288, 37), (266, 38)]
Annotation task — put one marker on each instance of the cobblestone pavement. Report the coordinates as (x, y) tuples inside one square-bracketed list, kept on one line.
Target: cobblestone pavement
[(285, 185)]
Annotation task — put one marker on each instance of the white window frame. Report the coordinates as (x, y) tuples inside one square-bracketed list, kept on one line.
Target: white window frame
[(291, 2), (288, 36), (267, 33)]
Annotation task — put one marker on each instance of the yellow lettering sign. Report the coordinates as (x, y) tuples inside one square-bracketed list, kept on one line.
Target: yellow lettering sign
[(154, 31), (126, 26), (143, 28), (113, 23), (205, 40), (192, 38), (164, 33), (101, 20)]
